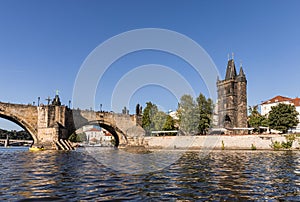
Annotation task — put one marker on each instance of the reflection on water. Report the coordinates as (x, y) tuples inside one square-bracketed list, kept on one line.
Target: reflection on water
[(134, 163), (222, 175)]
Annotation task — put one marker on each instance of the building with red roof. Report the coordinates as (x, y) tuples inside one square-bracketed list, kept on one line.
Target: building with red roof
[(266, 106)]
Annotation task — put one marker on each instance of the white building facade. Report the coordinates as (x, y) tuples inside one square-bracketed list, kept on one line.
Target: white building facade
[(266, 106), (97, 136)]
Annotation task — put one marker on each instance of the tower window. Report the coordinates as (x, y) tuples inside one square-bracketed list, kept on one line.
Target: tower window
[(227, 118)]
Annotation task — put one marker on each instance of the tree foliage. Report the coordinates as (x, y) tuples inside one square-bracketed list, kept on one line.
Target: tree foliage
[(187, 115), (205, 110), (195, 116), (81, 137), (15, 135), (169, 123), (159, 120), (283, 117), (255, 119), (148, 116), (153, 119)]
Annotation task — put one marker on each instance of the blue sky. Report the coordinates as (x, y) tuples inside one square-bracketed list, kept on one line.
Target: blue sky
[(44, 43)]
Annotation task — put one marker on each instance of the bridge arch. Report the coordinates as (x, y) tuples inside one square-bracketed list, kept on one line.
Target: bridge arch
[(22, 123), (117, 133)]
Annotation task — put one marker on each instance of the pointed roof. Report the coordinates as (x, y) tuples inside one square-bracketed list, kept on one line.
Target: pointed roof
[(230, 71), (241, 77), (241, 72)]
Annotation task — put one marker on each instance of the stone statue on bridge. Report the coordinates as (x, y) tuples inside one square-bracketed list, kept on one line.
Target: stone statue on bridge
[(56, 101), (138, 109)]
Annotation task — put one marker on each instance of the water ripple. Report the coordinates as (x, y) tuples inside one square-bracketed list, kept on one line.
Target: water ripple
[(220, 176)]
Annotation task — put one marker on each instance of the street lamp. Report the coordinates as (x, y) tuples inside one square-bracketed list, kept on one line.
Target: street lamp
[(39, 101)]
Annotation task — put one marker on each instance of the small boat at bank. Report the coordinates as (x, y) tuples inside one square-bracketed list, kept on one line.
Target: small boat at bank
[(36, 148)]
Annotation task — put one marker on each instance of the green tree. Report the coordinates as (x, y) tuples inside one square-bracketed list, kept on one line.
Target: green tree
[(188, 117), (153, 119), (169, 123), (283, 117), (159, 120), (205, 112), (255, 119), (17, 135), (73, 137), (81, 137), (148, 115)]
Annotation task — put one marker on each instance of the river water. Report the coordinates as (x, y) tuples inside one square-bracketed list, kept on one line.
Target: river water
[(220, 175)]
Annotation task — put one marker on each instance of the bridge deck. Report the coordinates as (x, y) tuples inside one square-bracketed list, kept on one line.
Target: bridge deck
[(11, 140)]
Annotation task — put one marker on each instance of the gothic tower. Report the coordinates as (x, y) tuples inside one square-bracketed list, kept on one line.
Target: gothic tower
[(232, 99)]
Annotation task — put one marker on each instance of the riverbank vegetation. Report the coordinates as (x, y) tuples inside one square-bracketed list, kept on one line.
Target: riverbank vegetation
[(255, 119), (284, 144), (192, 116), (15, 135), (281, 117), (80, 137), (195, 116), (155, 120), (281, 145)]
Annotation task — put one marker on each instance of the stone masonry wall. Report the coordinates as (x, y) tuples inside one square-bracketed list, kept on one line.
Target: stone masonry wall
[(215, 142), (242, 105)]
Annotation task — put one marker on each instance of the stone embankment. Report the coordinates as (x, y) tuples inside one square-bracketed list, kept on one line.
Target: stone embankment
[(227, 142)]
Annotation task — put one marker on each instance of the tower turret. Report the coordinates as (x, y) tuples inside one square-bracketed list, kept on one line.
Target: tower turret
[(241, 76), (241, 99), (230, 71)]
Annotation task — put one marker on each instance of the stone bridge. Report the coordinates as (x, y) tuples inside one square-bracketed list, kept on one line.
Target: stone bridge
[(52, 123)]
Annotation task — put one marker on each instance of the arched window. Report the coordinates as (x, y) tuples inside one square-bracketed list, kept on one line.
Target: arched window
[(227, 118)]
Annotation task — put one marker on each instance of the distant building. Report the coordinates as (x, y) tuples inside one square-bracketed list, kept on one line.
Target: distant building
[(173, 114), (89, 127), (107, 137), (266, 107), (232, 100), (93, 135), (97, 136)]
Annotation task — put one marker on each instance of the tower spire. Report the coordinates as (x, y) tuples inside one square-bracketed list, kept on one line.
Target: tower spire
[(241, 73), (230, 71)]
